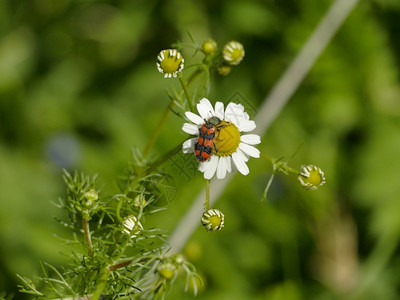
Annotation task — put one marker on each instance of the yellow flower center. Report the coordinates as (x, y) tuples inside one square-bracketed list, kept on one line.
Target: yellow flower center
[(215, 221), (314, 179), (170, 64), (227, 139), (236, 54)]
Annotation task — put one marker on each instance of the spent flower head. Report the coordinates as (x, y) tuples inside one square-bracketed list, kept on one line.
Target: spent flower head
[(170, 62), (233, 52), (213, 220), (311, 177), (219, 139)]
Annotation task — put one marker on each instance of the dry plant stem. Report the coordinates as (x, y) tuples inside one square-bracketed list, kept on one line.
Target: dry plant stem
[(120, 265), (88, 239), (272, 106)]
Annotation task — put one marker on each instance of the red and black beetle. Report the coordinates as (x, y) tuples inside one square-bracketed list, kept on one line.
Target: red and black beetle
[(204, 145)]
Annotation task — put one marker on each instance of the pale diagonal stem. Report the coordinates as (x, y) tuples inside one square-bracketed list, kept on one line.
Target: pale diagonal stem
[(271, 107)]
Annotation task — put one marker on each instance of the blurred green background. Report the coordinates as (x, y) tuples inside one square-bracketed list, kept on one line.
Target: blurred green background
[(79, 88)]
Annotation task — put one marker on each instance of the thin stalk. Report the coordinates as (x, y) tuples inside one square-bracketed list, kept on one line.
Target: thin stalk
[(207, 203), (88, 239), (194, 76), (158, 128), (264, 197), (120, 265), (280, 166), (101, 284), (164, 158), (185, 90), (118, 211)]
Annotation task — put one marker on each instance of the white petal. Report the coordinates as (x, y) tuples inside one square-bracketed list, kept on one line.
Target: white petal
[(194, 118), (234, 113), (240, 164), (203, 166), (211, 167), (242, 155), (188, 145), (251, 139), (205, 108), (249, 150), (222, 167), (247, 126), (229, 164), (219, 110), (190, 128)]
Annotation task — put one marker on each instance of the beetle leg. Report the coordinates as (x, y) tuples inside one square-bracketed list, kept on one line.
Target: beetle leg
[(215, 147)]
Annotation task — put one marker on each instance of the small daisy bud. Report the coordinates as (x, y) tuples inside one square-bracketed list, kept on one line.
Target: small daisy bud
[(132, 226), (224, 69), (91, 196), (170, 63), (209, 47), (311, 177), (139, 202), (213, 220), (233, 52), (167, 270), (179, 259)]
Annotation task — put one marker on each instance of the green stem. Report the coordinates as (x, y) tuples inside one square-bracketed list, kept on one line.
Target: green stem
[(101, 283), (194, 76), (163, 159), (88, 239), (207, 203), (158, 128), (185, 90), (280, 166), (118, 211)]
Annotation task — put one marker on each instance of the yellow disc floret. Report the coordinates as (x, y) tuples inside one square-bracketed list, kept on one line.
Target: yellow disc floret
[(227, 139)]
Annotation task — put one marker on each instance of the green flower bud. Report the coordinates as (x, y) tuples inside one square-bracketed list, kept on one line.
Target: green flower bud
[(209, 47), (167, 270), (224, 69)]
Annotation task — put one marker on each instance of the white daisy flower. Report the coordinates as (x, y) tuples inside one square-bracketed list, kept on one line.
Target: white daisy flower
[(216, 147)]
